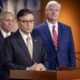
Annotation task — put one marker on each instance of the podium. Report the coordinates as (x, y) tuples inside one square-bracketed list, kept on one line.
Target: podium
[(45, 75)]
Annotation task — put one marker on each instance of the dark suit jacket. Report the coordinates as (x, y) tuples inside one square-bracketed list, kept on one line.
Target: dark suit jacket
[(16, 55), (65, 54), (3, 75), (1, 40)]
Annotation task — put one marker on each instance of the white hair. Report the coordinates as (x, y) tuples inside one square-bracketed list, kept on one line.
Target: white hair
[(53, 3)]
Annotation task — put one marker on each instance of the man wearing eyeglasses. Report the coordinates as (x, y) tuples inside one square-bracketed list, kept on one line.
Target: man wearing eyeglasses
[(24, 49)]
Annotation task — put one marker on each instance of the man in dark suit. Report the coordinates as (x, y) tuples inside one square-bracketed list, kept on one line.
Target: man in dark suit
[(59, 44), (17, 53), (6, 24)]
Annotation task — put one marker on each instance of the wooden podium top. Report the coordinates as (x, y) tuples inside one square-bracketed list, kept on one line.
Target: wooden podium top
[(33, 75), (68, 74), (45, 75)]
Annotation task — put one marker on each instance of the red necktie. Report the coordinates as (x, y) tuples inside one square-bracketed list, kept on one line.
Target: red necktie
[(55, 37)]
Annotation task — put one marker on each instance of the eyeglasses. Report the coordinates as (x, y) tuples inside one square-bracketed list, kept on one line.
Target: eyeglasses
[(26, 21)]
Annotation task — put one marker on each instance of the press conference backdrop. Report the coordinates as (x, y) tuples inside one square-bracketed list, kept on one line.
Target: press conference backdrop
[(70, 14)]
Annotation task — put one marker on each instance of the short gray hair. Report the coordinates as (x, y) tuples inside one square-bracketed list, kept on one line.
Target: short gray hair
[(53, 3), (2, 15)]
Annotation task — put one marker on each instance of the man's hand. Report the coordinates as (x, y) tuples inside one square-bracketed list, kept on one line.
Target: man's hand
[(37, 67), (41, 67)]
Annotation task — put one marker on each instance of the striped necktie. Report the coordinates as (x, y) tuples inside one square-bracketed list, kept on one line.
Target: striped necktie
[(55, 37)]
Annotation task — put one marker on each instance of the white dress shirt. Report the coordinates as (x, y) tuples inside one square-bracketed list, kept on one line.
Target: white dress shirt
[(24, 36), (50, 25), (5, 35)]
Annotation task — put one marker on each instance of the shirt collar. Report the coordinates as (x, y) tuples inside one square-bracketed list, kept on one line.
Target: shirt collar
[(24, 36), (51, 25), (4, 33)]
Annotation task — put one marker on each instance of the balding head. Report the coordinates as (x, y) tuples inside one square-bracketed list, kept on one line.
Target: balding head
[(53, 3)]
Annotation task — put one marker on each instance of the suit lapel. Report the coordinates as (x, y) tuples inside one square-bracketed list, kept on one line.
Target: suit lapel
[(60, 34), (1, 37), (34, 49), (22, 44), (48, 35)]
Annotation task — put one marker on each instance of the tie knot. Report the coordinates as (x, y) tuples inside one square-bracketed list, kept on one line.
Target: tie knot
[(53, 28), (28, 37)]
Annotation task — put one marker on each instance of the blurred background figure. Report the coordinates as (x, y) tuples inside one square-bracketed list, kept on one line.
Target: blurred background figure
[(6, 25), (15, 26)]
